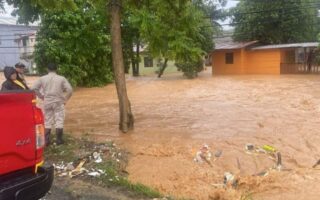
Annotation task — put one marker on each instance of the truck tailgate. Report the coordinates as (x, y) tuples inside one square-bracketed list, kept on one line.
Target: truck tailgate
[(17, 129)]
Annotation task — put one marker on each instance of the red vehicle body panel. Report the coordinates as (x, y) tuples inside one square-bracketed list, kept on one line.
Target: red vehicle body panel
[(17, 132)]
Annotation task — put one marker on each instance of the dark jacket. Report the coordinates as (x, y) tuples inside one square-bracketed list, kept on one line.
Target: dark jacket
[(9, 84)]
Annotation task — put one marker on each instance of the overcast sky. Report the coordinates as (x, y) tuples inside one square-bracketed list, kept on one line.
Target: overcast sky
[(7, 12), (8, 9), (231, 3)]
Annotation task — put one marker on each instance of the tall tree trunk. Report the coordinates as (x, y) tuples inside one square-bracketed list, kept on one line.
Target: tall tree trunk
[(132, 58), (126, 67), (126, 116), (137, 73), (164, 66), (133, 61)]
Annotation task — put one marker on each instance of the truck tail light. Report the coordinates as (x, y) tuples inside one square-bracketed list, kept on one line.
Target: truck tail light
[(40, 136), (39, 127), (38, 116)]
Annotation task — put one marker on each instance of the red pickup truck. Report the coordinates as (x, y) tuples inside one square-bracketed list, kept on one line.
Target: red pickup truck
[(22, 176)]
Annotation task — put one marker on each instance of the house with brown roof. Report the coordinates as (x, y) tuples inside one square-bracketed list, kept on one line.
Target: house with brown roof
[(231, 57)]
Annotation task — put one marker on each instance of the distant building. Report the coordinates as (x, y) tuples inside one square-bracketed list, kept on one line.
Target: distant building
[(150, 63), (16, 43), (231, 57)]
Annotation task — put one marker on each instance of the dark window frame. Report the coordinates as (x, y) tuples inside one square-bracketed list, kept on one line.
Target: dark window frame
[(25, 41), (148, 61), (229, 58)]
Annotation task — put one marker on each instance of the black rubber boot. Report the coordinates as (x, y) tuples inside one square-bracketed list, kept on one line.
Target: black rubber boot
[(47, 136), (59, 134)]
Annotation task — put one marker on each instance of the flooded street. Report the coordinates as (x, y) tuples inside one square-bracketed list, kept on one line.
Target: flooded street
[(174, 117)]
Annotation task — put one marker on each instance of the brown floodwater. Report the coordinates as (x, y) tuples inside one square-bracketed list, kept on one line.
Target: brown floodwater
[(175, 116)]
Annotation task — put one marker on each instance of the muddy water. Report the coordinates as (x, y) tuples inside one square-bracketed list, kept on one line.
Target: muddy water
[(174, 117)]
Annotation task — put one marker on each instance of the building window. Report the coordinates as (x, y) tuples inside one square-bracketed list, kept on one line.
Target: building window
[(24, 41), (290, 56), (148, 62), (229, 58)]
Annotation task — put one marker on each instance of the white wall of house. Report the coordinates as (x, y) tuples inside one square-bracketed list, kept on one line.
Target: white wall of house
[(12, 48)]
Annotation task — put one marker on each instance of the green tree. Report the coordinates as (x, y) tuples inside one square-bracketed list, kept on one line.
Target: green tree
[(126, 117), (277, 22), (130, 40), (30, 10), (175, 30), (76, 40), (113, 12)]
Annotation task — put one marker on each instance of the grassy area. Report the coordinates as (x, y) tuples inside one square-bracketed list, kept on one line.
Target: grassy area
[(113, 164)]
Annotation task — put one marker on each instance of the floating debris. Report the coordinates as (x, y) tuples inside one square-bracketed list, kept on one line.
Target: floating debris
[(317, 163), (70, 166), (228, 177), (218, 153), (263, 173), (249, 147), (203, 155), (230, 180), (78, 170), (269, 149), (279, 161), (218, 185), (60, 166), (97, 157), (94, 174)]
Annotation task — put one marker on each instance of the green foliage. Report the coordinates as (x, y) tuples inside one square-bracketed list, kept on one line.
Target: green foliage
[(190, 69), (64, 152), (26, 10), (57, 4), (130, 38), (176, 30), (113, 178), (179, 30), (276, 22), (213, 11), (76, 40)]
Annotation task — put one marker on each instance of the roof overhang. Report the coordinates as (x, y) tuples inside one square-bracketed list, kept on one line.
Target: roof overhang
[(287, 46), (230, 45)]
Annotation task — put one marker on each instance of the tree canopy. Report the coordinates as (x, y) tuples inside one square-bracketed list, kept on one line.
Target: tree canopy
[(76, 40), (175, 30), (277, 22)]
